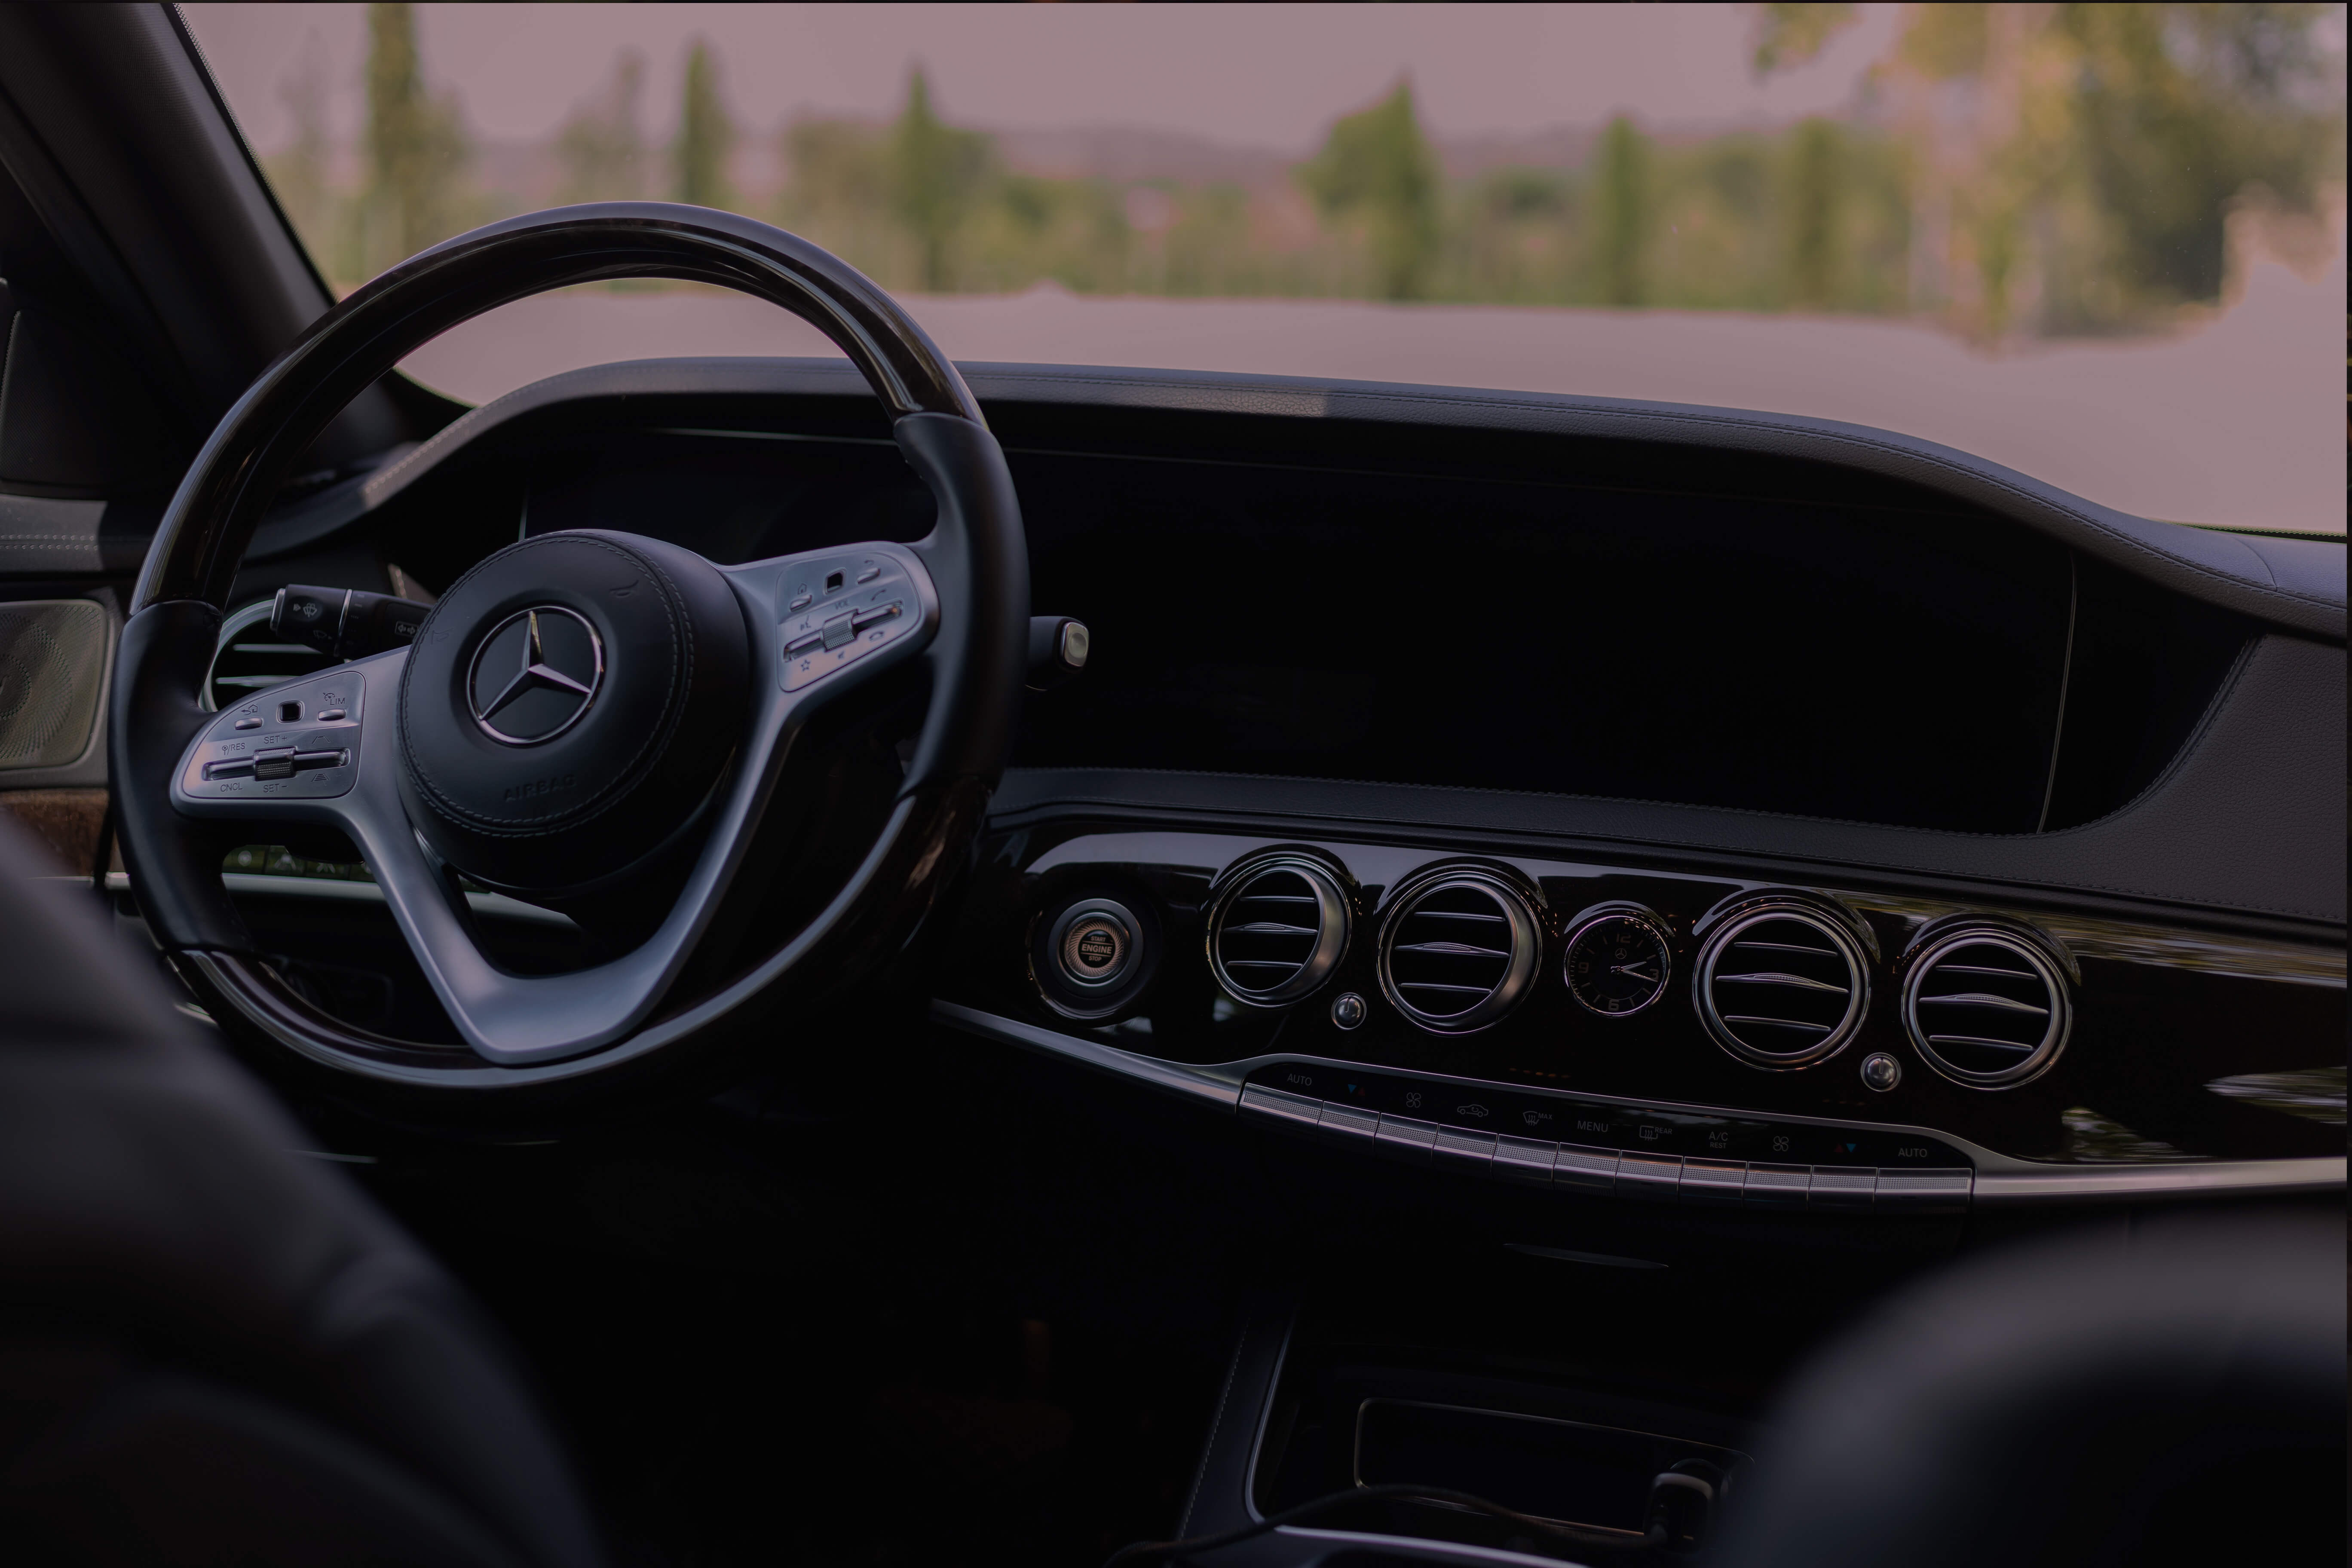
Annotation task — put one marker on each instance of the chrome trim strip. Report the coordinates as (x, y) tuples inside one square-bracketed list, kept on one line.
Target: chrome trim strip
[(1219, 1086), (492, 906), (1999, 1178), (2015, 1182), (1421, 1548)]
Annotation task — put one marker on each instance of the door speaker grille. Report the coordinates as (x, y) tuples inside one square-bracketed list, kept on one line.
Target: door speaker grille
[(1985, 1008), (52, 663), (1278, 931), (1458, 950), (1782, 987)]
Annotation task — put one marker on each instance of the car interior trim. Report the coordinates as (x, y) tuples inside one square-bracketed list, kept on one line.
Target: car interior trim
[(1998, 1179), (2296, 584)]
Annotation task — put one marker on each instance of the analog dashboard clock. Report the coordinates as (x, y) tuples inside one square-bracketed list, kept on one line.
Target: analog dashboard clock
[(1618, 961)]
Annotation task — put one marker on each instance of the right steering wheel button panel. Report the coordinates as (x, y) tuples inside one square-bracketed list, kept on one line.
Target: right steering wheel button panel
[(845, 626)]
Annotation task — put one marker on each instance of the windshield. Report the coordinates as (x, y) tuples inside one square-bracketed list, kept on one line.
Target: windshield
[(2100, 243)]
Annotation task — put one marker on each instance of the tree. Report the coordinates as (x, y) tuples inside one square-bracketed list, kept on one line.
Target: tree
[(1621, 212), (300, 174), (2096, 156), (937, 173), (1376, 166), (416, 145), (1815, 193), (1794, 34), (602, 151), (705, 134)]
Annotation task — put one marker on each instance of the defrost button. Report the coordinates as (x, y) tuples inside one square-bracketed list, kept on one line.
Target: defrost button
[(1524, 1159), (1649, 1176)]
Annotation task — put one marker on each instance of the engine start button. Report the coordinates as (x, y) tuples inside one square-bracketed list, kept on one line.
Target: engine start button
[(1095, 948)]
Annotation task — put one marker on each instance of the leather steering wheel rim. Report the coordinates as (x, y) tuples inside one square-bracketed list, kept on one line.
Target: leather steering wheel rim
[(965, 590)]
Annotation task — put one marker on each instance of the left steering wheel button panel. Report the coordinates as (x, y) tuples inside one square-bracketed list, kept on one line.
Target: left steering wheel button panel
[(251, 753), (832, 626)]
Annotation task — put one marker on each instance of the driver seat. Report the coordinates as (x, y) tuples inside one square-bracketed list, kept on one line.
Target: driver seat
[(212, 1349)]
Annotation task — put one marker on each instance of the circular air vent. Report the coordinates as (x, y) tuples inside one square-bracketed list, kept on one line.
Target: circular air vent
[(1985, 1008), (1782, 987), (1458, 949), (250, 658), (1277, 931)]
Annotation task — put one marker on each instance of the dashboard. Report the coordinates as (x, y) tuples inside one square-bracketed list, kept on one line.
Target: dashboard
[(1694, 809)]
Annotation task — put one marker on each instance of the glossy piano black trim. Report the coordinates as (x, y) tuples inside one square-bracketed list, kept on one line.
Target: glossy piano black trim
[(1998, 1179), (2161, 1011)]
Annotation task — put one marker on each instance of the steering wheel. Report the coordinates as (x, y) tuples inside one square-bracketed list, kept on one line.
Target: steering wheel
[(583, 715)]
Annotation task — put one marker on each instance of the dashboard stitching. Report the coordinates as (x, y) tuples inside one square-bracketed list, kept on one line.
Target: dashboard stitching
[(1717, 421)]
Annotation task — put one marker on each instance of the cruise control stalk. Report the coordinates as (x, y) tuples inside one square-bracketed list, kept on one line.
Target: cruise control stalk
[(344, 622)]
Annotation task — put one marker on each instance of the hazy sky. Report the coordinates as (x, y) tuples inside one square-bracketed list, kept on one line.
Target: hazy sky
[(1269, 76)]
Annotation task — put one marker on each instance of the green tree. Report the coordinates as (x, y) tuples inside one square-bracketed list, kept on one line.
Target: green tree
[(2182, 110), (705, 134), (1816, 191), (1622, 203), (1376, 166), (300, 174), (600, 147), (1793, 35), (937, 174), (416, 145)]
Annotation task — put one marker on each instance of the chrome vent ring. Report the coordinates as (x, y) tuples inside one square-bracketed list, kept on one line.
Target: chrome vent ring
[(1985, 1008), (1459, 948), (1278, 931), (1782, 987)]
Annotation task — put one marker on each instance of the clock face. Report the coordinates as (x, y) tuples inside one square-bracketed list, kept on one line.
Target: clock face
[(1618, 963)]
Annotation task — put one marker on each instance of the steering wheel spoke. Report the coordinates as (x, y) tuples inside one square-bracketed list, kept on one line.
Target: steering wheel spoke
[(822, 626)]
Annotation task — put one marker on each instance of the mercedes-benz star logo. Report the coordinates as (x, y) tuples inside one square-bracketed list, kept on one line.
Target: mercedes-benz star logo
[(535, 675)]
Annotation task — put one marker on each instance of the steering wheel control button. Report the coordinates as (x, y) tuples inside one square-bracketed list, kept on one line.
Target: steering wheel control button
[(820, 637), (1881, 1071), (246, 755), (1349, 1011)]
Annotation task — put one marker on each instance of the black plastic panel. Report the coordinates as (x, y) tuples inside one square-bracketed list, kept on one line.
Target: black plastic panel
[(1857, 661)]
